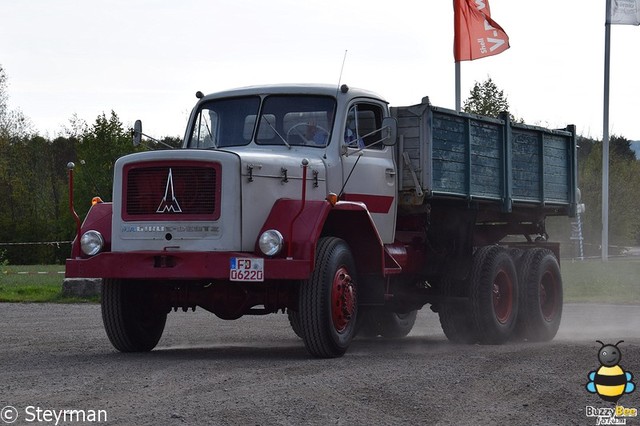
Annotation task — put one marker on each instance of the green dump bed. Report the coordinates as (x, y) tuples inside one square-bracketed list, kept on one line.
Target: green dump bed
[(442, 153)]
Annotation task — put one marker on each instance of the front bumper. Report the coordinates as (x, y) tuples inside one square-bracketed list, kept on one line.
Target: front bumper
[(167, 265)]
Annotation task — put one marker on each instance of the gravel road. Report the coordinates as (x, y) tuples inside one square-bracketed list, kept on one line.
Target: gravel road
[(254, 371)]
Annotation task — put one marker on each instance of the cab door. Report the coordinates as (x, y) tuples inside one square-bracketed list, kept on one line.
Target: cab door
[(368, 166)]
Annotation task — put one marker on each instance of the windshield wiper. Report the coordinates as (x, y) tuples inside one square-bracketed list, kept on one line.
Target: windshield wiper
[(213, 139), (276, 132)]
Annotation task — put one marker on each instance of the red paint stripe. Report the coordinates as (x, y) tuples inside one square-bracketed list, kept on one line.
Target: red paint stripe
[(374, 203)]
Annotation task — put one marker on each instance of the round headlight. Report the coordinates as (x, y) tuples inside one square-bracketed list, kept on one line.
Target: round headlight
[(91, 243), (271, 242)]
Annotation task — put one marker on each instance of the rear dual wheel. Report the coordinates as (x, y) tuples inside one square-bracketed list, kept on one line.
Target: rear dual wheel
[(386, 323), (494, 295), (483, 308), (501, 300), (541, 296)]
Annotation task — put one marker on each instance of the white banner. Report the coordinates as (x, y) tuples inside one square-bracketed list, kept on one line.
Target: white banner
[(624, 12)]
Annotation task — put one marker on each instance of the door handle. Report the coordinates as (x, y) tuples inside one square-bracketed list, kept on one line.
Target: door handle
[(390, 172)]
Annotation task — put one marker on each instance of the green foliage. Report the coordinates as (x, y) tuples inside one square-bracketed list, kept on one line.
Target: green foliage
[(4, 262), (624, 192), (172, 141), (99, 147), (486, 99), (615, 281), (34, 184), (13, 123), (34, 286), (624, 181), (34, 180), (3, 92), (620, 147)]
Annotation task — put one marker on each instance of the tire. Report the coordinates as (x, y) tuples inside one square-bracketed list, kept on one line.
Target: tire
[(367, 325), (494, 295), (455, 317), (388, 324), (294, 322), (542, 298), (394, 325), (129, 318), (328, 305)]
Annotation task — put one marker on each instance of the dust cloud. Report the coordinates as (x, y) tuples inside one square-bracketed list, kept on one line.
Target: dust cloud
[(592, 321)]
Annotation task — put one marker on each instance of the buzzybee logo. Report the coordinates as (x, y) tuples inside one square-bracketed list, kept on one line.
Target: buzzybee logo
[(610, 382)]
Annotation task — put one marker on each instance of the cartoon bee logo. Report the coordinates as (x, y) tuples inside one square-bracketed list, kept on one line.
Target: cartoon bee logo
[(610, 381)]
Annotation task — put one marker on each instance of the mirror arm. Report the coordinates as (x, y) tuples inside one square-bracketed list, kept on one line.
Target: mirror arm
[(389, 135), (137, 134)]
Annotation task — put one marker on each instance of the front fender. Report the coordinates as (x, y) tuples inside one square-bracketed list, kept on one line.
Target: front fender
[(99, 219), (350, 221), (299, 225)]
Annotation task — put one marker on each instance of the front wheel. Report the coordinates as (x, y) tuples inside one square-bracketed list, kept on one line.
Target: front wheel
[(328, 304), (130, 320), (294, 322)]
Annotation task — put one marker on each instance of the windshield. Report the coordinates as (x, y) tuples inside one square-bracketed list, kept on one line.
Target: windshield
[(284, 120), (225, 122)]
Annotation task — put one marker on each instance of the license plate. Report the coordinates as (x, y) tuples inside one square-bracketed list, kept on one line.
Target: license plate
[(246, 269)]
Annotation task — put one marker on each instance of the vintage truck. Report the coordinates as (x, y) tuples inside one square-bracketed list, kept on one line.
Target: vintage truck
[(324, 203)]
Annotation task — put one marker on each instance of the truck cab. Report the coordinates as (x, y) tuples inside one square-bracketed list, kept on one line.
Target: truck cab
[(232, 221)]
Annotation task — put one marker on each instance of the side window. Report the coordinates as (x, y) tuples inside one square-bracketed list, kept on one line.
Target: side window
[(363, 124), (206, 130)]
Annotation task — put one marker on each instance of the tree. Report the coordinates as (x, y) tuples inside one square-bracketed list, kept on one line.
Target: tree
[(486, 99), (100, 146), (3, 92), (624, 192), (13, 123), (621, 146)]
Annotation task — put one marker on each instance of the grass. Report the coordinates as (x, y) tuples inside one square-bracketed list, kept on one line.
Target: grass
[(617, 281), (34, 286)]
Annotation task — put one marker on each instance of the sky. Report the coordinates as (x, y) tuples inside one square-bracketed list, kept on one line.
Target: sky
[(145, 59)]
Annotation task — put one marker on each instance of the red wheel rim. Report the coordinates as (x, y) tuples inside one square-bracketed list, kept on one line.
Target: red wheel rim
[(343, 299), (548, 296), (502, 297)]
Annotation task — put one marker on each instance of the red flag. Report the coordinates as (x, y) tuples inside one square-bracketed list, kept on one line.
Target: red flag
[(476, 34)]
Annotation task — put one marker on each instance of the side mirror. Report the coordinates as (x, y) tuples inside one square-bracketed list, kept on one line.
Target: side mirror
[(137, 133), (390, 131)]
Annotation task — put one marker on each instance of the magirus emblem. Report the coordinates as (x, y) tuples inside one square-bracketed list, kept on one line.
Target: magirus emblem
[(169, 203)]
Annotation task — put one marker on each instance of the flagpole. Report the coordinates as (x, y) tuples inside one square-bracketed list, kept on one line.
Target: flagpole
[(605, 137), (456, 50), (458, 90)]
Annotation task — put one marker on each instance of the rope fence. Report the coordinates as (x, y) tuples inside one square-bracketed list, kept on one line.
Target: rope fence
[(37, 243), (34, 252)]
